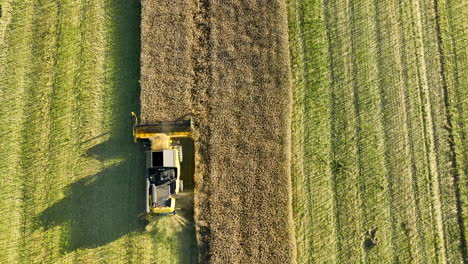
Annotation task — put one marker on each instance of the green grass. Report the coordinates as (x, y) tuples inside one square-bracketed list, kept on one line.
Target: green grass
[(378, 131), (72, 179)]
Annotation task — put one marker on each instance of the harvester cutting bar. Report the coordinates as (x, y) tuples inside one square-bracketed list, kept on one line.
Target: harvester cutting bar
[(181, 128), (165, 127)]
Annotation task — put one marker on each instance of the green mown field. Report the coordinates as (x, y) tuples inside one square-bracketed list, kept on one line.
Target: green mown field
[(72, 183), (379, 130)]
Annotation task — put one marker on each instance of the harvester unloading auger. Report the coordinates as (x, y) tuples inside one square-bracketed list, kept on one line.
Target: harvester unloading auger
[(163, 158)]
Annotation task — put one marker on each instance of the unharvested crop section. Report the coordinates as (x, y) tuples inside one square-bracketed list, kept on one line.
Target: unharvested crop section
[(166, 60), (227, 65), (246, 207), (378, 131)]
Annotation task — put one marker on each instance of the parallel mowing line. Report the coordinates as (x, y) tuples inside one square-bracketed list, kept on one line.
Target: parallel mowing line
[(386, 85), (319, 220), (398, 151), (90, 125), (421, 195), (431, 128), (36, 132), (121, 64), (421, 185), (443, 153), (55, 137), (371, 179), (343, 136), (86, 124), (410, 180), (120, 97), (300, 196), (449, 157), (457, 67), (15, 53), (61, 109), (428, 121), (426, 184)]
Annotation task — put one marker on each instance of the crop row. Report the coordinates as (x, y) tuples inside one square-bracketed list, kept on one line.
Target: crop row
[(375, 175)]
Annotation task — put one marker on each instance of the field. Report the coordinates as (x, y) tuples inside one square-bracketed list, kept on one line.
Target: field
[(71, 176), (326, 131), (379, 139)]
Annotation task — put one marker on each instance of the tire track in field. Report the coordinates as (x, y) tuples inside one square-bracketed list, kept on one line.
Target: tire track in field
[(53, 181), (441, 137), (328, 25), (414, 132), (416, 242), (383, 105), (304, 167), (343, 136), (449, 127), (62, 115), (421, 90), (443, 188)]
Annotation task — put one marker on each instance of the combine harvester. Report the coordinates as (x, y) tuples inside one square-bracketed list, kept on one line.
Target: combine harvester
[(163, 158)]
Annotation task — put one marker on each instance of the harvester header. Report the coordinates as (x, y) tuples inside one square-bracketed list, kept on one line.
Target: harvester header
[(174, 129)]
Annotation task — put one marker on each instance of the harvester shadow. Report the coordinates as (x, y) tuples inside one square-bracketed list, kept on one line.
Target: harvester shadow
[(102, 208), (99, 209)]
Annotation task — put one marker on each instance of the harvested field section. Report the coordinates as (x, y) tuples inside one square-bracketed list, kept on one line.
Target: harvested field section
[(395, 123), (13, 52), (413, 80), (68, 71), (453, 42), (344, 160), (395, 151), (444, 151), (311, 147), (372, 180)]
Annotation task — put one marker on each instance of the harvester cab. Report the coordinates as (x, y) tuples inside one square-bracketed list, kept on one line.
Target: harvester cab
[(163, 157)]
